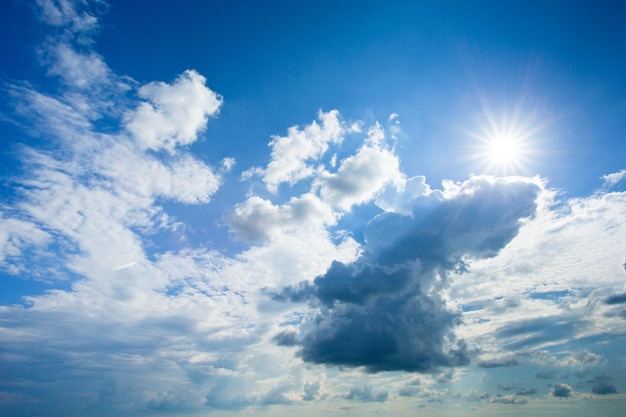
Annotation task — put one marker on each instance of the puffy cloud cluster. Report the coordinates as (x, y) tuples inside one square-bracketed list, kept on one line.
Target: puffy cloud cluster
[(355, 180), (562, 391), (172, 115), (291, 155), (386, 310)]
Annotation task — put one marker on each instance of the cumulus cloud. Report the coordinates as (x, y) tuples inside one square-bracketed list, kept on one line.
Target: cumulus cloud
[(385, 311), (562, 391), (367, 393), (361, 176), (172, 114), (291, 154), (581, 359), (404, 194), (603, 388), (257, 218)]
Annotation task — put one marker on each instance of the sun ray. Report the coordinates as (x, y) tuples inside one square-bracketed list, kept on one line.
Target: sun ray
[(505, 144)]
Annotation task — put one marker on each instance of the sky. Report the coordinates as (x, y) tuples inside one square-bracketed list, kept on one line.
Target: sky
[(240, 208)]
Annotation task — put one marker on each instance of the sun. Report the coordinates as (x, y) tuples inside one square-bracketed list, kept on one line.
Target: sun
[(504, 145), (504, 149)]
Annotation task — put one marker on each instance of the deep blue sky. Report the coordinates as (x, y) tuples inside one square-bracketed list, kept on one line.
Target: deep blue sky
[(269, 208)]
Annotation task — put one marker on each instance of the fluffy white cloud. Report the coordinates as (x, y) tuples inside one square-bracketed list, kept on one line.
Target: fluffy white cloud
[(292, 154), (361, 176), (172, 115), (404, 194), (257, 218)]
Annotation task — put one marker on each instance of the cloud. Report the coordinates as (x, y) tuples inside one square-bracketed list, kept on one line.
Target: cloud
[(539, 331), (404, 194), (15, 236), (367, 393), (361, 176), (616, 299), (286, 338), (74, 15), (257, 218), (603, 388), (291, 154), (311, 391), (498, 362), (581, 359), (385, 311), (612, 179), (172, 114), (508, 399), (562, 391), (78, 70)]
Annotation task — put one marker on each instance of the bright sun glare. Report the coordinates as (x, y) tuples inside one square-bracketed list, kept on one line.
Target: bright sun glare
[(504, 149), (504, 145)]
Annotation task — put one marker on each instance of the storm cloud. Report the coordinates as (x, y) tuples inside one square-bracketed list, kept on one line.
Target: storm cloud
[(562, 391), (616, 299), (386, 311)]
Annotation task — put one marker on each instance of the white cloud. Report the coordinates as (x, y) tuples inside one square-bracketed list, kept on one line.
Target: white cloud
[(548, 285), (361, 176), (292, 154), (67, 13), (613, 178), (15, 235), (257, 218), (172, 115), (405, 194), (80, 70)]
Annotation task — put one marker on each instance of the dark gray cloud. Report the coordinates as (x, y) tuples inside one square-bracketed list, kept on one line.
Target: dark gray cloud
[(498, 363), (386, 311), (562, 390), (616, 299), (286, 338), (603, 388)]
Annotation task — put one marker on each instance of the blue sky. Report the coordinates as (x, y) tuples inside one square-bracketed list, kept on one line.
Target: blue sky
[(267, 208)]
